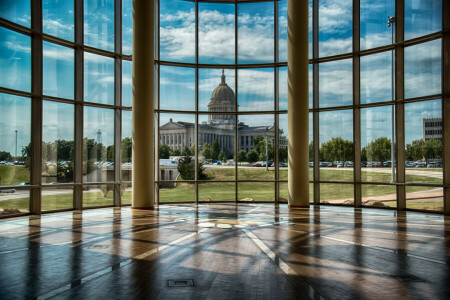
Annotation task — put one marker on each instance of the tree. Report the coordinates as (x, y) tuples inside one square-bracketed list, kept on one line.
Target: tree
[(379, 150), (414, 151), (127, 146), (206, 151), (432, 149), (110, 153), (186, 151), (192, 149), (242, 156), (186, 168), (222, 156), (252, 156), (283, 154), (336, 149), (215, 150), (164, 151), (6, 156), (176, 152)]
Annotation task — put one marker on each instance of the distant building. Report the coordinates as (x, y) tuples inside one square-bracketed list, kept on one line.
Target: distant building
[(432, 129), (219, 127)]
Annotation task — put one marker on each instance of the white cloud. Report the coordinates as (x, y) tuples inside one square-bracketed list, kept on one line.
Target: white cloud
[(335, 16)]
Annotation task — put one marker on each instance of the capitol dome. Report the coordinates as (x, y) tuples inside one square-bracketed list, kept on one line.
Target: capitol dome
[(222, 100), (222, 93)]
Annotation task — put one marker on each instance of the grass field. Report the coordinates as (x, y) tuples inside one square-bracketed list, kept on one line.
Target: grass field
[(185, 192)]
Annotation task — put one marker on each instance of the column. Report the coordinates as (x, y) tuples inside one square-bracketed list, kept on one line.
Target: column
[(298, 124), (446, 105), (143, 102)]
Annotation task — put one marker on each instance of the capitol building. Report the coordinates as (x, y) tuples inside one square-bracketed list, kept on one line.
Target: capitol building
[(220, 127)]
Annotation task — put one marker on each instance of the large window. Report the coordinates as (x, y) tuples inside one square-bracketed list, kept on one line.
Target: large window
[(376, 128)]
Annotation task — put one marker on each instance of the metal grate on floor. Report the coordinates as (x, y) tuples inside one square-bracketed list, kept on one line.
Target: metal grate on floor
[(180, 283)]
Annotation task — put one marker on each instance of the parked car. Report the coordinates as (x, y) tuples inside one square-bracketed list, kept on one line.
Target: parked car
[(24, 183), (280, 164), (311, 164), (420, 164), (257, 164), (432, 164), (364, 164), (339, 164), (8, 191), (348, 164), (387, 163), (409, 164)]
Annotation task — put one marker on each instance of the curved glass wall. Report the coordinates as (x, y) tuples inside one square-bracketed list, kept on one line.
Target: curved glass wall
[(376, 94)]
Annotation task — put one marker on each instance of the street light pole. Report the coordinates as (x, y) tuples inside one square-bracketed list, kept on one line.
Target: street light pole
[(16, 144), (391, 22), (267, 151)]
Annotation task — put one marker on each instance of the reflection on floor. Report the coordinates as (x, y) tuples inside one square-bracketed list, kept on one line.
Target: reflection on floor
[(255, 251)]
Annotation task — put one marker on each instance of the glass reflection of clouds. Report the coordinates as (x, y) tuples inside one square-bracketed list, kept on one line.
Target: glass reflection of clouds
[(335, 27), (376, 77), (373, 23), (58, 71), (15, 60), (99, 24), (58, 18), (98, 78), (256, 89), (177, 88), (336, 83)]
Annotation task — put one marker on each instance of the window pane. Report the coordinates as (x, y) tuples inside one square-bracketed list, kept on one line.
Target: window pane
[(216, 146), (177, 139), (376, 142), (379, 195), (98, 144), (216, 33), (183, 192), (177, 88), (216, 90), (99, 24), (15, 138), (58, 71), (422, 17), (57, 198), (255, 32), (373, 23), (335, 27), (127, 84), (15, 60), (423, 139), (342, 194), (211, 192), (17, 11), (98, 195), (376, 77), (425, 198), (282, 88), (336, 145), (311, 147), (57, 142), (335, 83), (256, 89), (177, 30), (14, 201), (283, 31), (127, 26), (423, 69), (284, 192), (256, 191), (127, 166), (256, 133), (283, 139), (58, 18), (98, 79)]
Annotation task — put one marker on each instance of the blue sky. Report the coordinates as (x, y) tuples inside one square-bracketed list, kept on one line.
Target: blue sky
[(217, 46)]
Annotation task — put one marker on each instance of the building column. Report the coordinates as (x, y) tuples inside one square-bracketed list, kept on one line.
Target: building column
[(298, 110), (446, 105), (143, 91)]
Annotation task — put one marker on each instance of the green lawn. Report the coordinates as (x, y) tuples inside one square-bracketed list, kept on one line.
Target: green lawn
[(257, 191), (13, 175)]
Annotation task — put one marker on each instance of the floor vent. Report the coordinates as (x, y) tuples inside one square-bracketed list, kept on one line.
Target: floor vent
[(180, 283), (407, 278), (97, 246)]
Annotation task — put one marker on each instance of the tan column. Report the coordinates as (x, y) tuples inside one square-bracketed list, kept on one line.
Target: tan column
[(298, 173), (143, 81)]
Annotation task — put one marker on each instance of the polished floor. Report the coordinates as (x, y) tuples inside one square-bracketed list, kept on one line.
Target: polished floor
[(220, 251)]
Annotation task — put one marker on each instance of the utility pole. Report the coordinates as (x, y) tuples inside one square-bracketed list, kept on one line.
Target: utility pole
[(391, 22)]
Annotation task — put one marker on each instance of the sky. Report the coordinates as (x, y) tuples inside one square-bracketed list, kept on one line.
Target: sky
[(255, 86)]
